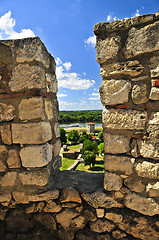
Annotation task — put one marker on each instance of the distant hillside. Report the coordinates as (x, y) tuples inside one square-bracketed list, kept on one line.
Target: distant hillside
[(80, 116)]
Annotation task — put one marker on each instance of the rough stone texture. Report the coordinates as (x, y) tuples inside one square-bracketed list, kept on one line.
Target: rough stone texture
[(64, 218), (37, 178), (112, 182), (31, 133), (31, 109), (70, 195), (139, 94), (153, 189), (146, 206), (6, 112), (121, 119), (13, 159), (102, 225), (51, 83), (49, 109), (146, 37), (116, 143), (26, 77), (100, 212), (5, 197), (57, 147), (6, 135), (9, 179), (114, 91), (52, 207), (78, 223), (57, 130), (117, 218), (36, 156), (148, 170), (134, 184), (121, 164), (154, 94), (47, 196), (100, 199), (20, 197), (107, 48)]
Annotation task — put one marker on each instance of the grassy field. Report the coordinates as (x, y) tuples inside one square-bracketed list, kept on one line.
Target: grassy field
[(74, 147), (66, 163), (99, 166)]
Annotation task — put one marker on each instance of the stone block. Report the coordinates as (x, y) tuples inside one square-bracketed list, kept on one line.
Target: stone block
[(124, 119), (31, 108), (6, 112), (30, 49), (38, 178), (3, 153), (116, 143), (57, 130), (13, 159), (9, 179), (121, 164), (46, 196), (99, 199), (134, 184), (155, 72), (146, 39), (6, 134), (70, 195), (154, 94), (148, 170), (153, 189), (20, 197), (36, 156), (78, 223), (139, 94), (114, 217), (64, 218), (108, 48), (101, 226), (5, 197), (112, 182), (52, 207), (26, 77), (49, 109), (51, 83), (31, 133), (134, 148), (3, 167), (57, 148), (100, 212), (146, 206), (114, 92), (117, 234)]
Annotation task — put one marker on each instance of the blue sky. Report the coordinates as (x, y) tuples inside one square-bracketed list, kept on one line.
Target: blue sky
[(66, 28)]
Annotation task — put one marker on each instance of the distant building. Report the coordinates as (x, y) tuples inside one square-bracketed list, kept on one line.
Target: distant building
[(90, 127)]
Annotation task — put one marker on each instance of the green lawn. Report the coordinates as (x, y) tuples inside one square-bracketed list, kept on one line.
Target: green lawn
[(99, 166), (66, 163), (74, 146)]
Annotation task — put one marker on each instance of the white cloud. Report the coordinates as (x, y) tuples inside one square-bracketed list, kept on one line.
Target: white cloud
[(58, 61), (91, 41), (71, 80), (61, 95), (7, 24), (95, 94), (137, 13), (111, 17), (93, 98), (67, 65), (64, 103)]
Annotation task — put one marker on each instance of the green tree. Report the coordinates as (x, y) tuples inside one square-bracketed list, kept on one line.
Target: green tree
[(73, 136), (89, 158), (100, 135), (101, 148), (63, 136), (84, 136), (89, 152)]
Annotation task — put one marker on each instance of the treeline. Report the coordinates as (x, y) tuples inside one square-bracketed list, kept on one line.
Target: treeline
[(80, 116)]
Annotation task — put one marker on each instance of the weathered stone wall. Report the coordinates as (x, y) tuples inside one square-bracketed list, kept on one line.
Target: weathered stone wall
[(124, 204)]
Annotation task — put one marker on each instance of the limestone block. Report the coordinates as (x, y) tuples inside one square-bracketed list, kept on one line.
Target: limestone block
[(139, 94), (46, 196), (51, 83), (52, 207), (153, 189), (31, 108), (57, 147), (26, 77), (3, 167), (124, 119), (154, 66), (31, 133), (107, 48), (99, 199), (57, 163), (6, 112), (100, 212), (78, 223), (31, 49), (64, 218), (117, 218), (20, 197), (154, 94), (5, 197), (49, 109), (146, 206), (40, 207), (112, 182), (9, 179), (116, 143), (134, 184), (122, 164), (128, 68), (37, 178), (6, 134), (36, 156), (118, 234), (114, 92), (57, 130), (70, 195), (154, 118), (148, 170), (102, 225), (13, 159), (155, 72), (146, 39)]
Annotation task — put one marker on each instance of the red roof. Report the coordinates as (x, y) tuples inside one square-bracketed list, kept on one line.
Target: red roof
[(90, 123)]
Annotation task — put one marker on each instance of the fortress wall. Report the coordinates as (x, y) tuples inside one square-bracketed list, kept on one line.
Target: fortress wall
[(39, 202)]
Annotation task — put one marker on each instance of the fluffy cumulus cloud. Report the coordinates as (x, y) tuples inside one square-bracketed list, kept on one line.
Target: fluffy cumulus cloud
[(61, 95), (7, 24), (111, 17), (94, 96), (90, 41), (71, 80)]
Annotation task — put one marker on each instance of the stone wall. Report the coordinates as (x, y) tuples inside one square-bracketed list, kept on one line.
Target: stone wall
[(39, 202)]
